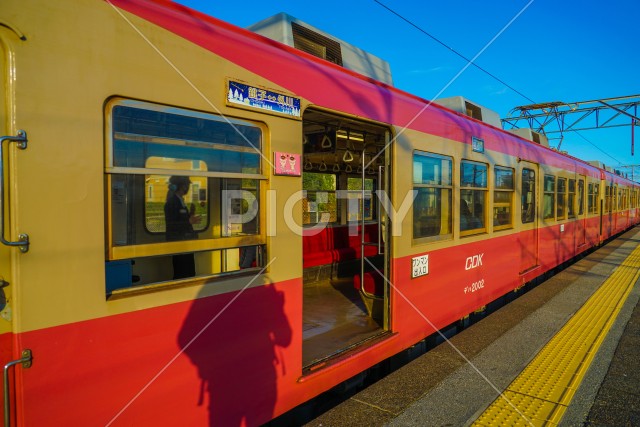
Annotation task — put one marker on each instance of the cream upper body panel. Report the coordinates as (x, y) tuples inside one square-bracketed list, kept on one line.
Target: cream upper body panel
[(76, 56)]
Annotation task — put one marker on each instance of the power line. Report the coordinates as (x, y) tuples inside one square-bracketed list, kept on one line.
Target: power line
[(455, 51), (598, 148), (480, 68)]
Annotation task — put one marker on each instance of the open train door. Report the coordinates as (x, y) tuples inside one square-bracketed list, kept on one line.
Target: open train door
[(345, 294), (373, 278), (528, 235)]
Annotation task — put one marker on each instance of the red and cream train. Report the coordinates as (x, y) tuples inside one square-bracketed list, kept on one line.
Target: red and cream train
[(340, 220)]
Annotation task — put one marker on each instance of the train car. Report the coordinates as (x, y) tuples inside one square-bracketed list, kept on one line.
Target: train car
[(203, 226)]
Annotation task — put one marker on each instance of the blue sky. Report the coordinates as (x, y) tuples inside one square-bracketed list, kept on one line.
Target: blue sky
[(556, 50)]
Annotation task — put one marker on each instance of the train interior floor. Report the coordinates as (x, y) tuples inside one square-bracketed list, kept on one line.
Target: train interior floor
[(334, 319)]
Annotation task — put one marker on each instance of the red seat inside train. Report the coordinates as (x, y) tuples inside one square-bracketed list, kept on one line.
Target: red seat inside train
[(334, 244)]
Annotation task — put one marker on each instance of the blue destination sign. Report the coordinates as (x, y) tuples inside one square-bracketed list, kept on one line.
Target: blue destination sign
[(250, 96)]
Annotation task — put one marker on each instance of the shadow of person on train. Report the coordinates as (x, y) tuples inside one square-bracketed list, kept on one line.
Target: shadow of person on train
[(238, 341)]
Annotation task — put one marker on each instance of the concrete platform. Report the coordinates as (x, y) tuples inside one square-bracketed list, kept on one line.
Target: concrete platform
[(453, 383)]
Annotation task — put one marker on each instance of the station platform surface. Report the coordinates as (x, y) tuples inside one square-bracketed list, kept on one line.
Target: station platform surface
[(567, 352)]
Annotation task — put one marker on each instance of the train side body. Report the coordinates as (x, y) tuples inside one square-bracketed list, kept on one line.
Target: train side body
[(226, 351)]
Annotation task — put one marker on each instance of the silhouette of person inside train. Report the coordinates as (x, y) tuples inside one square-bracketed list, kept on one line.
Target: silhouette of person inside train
[(467, 220), (179, 220), (237, 342)]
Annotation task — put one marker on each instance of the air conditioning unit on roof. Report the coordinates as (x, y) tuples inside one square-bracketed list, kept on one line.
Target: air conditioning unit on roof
[(295, 33), (471, 109), (532, 135), (596, 163)]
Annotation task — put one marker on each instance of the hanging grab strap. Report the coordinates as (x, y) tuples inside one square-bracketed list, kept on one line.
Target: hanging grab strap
[(347, 157), (326, 142)]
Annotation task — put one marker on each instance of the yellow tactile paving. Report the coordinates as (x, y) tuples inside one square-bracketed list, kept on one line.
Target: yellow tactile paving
[(541, 393)]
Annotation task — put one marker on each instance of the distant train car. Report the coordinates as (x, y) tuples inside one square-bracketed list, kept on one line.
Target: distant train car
[(203, 226)]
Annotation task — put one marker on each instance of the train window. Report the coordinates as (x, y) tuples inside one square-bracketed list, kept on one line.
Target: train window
[(621, 198), (607, 198), (354, 188), (580, 195), (593, 198), (571, 199), (473, 197), (432, 207), (155, 197), (561, 199), (503, 198), (320, 203), (549, 195), (185, 186), (626, 199), (528, 195)]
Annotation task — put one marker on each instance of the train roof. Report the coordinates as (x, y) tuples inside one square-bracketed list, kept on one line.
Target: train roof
[(335, 87)]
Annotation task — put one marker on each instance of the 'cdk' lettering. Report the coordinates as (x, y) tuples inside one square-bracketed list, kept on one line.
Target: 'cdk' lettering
[(473, 262)]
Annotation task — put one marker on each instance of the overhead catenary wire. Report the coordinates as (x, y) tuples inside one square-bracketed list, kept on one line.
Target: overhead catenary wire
[(455, 51), (440, 42)]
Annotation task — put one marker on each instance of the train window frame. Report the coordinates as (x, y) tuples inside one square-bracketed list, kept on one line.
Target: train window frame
[(432, 189), (193, 197), (227, 236), (548, 197), (580, 193), (561, 198), (311, 205), (571, 198), (370, 184), (474, 187), (528, 197), (501, 189), (593, 197)]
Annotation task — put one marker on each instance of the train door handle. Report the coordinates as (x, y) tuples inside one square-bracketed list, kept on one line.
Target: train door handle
[(21, 142), (25, 360)]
